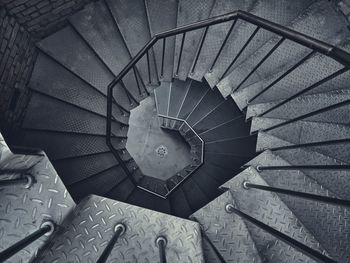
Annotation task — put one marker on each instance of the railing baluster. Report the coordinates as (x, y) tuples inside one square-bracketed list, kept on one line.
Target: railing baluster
[(223, 45), (161, 243), (199, 50), (180, 55), (284, 75), (46, 228), (127, 92), (163, 57), (26, 181), (260, 62), (303, 167), (148, 68), (281, 236), (241, 51), (119, 230), (319, 198), (332, 76)]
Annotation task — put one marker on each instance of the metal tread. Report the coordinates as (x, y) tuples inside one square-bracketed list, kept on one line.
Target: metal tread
[(179, 90), (161, 95), (264, 206), (143, 226)]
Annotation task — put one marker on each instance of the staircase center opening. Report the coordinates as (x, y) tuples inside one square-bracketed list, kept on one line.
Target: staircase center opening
[(159, 153)]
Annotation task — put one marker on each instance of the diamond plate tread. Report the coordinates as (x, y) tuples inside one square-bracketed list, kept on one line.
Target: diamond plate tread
[(216, 35), (211, 100), (98, 184), (149, 201), (96, 217), (328, 223), (194, 95), (64, 145), (69, 49), (22, 211), (266, 141), (281, 12), (96, 26), (162, 16), (320, 13), (237, 127), (300, 132), (46, 113), (246, 146), (223, 113), (300, 105), (227, 232), (50, 78), (210, 255), (10, 161), (132, 20), (189, 12), (161, 95), (268, 208), (179, 90), (339, 151), (179, 204)]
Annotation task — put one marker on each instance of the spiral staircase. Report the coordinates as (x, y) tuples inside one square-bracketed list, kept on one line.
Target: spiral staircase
[(226, 136)]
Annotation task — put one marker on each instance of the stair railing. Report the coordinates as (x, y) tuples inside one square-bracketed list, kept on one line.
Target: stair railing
[(316, 46)]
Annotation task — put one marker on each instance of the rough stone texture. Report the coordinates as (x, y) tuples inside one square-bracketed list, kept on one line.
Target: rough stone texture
[(42, 17), (17, 56)]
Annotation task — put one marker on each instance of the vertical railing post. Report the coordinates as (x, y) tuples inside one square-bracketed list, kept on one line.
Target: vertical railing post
[(161, 243), (180, 55)]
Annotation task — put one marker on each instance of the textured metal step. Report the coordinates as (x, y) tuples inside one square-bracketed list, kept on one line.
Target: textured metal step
[(216, 35), (10, 161), (59, 145), (326, 222), (46, 113), (69, 49), (333, 30), (162, 17), (195, 93), (97, 27), (179, 203), (99, 183), (132, 20), (195, 196), (227, 232), (161, 95), (211, 100), (50, 78), (210, 254), (22, 210), (223, 113), (189, 12), (96, 217), (179, 90), (299, 106), (234, 128), (282, 13), (238, 147), (268, 208)]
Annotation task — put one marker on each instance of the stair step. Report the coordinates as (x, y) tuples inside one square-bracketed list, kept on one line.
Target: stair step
[(161, 95), (243, 147), (223, 113), (24, 210), (46, 113), (162, 17), (122, 191), (195, 195), (281, 13), (194, 95), (227, 232), (179, 91), (210, 254), (50, 78), (289, 53), (98, 184), (268, 208), (132, 20), (189, 12), (216, 35), (326, 222), (179, 203), (59, 145), (97, 216), (299, 106), (97, 27)]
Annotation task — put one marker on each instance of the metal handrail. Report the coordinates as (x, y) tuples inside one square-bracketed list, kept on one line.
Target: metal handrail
[(287, 34)]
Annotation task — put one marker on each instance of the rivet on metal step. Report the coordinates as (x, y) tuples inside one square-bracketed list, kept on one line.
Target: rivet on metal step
[(258, 168), (228, 208), (30, 181), (245, 185), (161, 243), (120, 228), (50, 225)]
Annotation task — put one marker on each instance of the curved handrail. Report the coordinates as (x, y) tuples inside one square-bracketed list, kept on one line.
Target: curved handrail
[(319, 46)]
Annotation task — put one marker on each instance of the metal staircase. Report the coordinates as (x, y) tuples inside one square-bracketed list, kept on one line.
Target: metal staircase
[(256, 89)]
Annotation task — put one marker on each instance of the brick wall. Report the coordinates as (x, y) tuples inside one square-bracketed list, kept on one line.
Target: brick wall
[(17, 56), (42, 17)]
